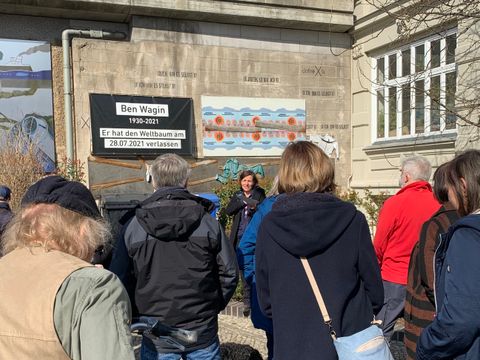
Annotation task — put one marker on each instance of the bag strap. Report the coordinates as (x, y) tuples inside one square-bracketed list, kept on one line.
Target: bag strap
[(318, 296)]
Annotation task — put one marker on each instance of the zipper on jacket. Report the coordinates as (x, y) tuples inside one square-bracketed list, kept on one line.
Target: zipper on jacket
[(434, 273), (440, 242)]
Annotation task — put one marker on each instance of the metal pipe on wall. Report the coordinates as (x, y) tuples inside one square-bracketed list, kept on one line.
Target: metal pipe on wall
[(67, 77)]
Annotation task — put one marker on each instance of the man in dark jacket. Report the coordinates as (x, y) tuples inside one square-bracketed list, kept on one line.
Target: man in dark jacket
[(5, 211), (184, 268)]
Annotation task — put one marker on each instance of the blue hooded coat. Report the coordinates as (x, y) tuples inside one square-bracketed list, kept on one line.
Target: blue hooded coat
[(455, 331), (246, 262)]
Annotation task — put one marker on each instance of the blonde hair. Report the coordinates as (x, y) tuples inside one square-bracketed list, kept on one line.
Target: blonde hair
[(55, 228), (304, 167), (274, 188)]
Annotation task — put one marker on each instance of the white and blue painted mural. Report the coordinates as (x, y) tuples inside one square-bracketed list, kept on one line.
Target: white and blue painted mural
[(238, 126)]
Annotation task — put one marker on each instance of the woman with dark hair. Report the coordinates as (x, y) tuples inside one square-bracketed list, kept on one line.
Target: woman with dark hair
[(455, 330), (242, 206), (420, 299), (307, 220)]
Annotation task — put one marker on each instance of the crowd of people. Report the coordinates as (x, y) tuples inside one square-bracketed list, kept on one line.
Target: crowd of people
[(173, 262)]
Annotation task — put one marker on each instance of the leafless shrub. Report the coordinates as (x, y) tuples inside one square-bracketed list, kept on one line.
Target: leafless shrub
[(20, 166)]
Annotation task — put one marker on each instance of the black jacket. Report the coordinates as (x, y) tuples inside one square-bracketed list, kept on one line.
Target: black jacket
[(334, 236), (5, 215), (234, 208), (184, 268)]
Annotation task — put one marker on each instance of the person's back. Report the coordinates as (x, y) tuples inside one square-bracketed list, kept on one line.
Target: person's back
[(398, 229), (405, 213), (184, 268), (54, 303), (308, 221), (455, 330), (420, 298)]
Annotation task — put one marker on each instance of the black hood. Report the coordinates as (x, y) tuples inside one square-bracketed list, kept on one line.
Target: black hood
[(172, 213), (308, 223)]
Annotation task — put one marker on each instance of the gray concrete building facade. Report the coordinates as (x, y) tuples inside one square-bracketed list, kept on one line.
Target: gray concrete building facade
[(372, 94), (273, 49)]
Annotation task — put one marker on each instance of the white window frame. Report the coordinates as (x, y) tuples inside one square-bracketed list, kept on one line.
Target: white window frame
[(399, 81)]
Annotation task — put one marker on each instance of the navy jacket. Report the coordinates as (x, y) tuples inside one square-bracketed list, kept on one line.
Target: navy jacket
[(335, 237), (455, 331), (5, 215), (246, 262)]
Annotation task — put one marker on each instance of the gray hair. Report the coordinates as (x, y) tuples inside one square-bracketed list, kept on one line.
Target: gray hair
[(169, 170), (418, 167)]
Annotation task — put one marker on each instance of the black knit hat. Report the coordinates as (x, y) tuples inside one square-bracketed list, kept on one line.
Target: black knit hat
[(70, 195)]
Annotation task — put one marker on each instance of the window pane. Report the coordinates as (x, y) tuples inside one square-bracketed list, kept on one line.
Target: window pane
[(392, 111), (451, 45), (380, 70), (380, 114), (406, 109), (435, 53), (435, 104), (392, 65), (406, 62), (419, 107), (450, 100), (419, 58)]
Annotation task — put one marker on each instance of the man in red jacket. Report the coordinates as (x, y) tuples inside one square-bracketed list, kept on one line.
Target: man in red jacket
[(398, 229)]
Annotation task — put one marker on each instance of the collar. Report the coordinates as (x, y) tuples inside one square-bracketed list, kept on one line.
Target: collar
[(416, 186)]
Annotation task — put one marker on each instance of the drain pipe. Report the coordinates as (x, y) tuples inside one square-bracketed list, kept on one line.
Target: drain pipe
[(67, 81)]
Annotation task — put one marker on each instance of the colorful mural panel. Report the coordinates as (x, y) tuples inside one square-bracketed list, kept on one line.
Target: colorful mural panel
[(26, 97), (237, 126)]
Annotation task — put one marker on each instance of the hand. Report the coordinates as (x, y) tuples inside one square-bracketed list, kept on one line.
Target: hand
[(252, 203)]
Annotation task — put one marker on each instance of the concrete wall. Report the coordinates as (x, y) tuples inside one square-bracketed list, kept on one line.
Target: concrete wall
[(297, 14), (222, 57)]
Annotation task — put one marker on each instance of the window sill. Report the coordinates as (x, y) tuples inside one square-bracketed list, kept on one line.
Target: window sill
[(412, 144)]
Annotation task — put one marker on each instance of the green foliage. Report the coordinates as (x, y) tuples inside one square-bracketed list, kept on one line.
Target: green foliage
[(370, 203), (238, 294), (225, 193), (71, 170)]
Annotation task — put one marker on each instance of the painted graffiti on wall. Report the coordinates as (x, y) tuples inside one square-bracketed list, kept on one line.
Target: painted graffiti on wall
[(238, 126), (26, 96)]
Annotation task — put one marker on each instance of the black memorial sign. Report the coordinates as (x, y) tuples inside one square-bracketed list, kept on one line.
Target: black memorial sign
[(140, 125)]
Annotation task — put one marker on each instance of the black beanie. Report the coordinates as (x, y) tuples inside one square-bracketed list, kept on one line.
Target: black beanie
[(70, 195)]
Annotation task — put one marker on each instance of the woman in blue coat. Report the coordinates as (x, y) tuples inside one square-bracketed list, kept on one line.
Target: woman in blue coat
[(455, 331), (246, 263)]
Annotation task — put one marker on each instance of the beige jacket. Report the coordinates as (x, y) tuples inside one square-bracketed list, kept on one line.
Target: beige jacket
[(90, 309)]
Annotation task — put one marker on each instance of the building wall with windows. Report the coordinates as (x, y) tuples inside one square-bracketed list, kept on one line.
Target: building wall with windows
[(403, 96)]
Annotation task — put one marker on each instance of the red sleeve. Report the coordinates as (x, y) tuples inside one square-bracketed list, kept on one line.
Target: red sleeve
[(384, 226)]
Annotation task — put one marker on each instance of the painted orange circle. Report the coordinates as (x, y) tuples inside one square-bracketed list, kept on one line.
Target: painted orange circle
[(219, 120), (219, 136), (291, 136), (256, 136), (291, 121), (255, 119)]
